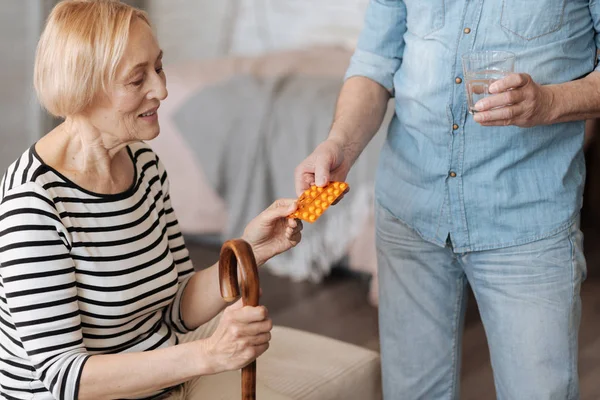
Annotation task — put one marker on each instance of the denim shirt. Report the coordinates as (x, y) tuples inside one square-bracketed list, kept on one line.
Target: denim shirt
[(442, 173)]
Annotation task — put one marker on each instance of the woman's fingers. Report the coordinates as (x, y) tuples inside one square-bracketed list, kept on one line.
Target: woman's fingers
[(260, 339), (248, 314), (296, 238), (257, 328), (279, 209), (254, 352), (294, 223), (237, 343), (260, 349), (291, 231)]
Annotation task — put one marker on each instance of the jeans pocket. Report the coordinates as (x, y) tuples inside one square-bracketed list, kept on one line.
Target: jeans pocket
[(531, 19), (424, 17)]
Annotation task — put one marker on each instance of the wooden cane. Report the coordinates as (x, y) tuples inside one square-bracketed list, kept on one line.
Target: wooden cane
[(234, 252)]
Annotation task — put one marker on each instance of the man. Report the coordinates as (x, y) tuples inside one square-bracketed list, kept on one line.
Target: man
[(490, 199)]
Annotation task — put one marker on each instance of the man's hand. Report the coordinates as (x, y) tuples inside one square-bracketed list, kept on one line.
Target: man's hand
[(516, 100), (326, 164)]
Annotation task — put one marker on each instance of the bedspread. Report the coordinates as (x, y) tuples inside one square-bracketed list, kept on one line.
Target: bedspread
[(249, 129)]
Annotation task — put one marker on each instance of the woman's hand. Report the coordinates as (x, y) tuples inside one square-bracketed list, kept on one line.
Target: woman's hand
[(272, 232), (243, 335)]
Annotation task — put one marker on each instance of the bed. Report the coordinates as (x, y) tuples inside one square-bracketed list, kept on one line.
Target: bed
[(232, 132)]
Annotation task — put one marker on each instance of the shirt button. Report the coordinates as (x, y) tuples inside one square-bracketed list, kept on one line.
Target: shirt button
[(455, 127), (452, 174), (458, 80), (467, 30)]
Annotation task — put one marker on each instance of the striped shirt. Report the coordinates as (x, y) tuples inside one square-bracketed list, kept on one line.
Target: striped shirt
[(84, 273)]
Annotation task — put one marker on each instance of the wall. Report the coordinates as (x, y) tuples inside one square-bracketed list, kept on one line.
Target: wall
[(22, 119), (197, 29), (190, 29), (265, 25)]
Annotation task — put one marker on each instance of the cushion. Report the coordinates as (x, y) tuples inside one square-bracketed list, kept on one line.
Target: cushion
[(303, 365), (299, 365)]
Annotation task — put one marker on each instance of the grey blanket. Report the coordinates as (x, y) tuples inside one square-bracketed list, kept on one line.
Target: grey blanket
[(249, 134)]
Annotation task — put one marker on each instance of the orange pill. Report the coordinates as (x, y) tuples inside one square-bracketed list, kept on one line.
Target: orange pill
[(315, 200)]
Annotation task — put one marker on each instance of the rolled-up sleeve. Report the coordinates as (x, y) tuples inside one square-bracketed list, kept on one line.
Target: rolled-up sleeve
[(381, 43), (595, 12)]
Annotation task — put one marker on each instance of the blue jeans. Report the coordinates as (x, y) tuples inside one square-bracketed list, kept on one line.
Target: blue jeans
[(528, 298)]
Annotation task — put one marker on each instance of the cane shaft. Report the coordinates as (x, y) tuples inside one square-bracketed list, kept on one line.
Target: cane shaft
[(236, 253)]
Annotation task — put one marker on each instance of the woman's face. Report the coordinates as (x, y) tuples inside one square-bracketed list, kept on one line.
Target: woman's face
[(128, 112)]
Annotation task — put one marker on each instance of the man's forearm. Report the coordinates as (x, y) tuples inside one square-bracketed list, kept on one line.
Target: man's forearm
[(360, 110), (576, 100)]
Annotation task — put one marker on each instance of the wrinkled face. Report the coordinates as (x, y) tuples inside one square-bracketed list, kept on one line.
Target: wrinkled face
[(128, 112)]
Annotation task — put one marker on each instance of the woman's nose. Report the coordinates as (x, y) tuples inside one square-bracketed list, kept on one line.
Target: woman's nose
[(158, 89)]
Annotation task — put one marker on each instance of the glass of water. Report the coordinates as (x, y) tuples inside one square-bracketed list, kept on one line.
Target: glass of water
[(481, 69)]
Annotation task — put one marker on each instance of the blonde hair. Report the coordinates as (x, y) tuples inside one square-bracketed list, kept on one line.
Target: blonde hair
[(79, 51)]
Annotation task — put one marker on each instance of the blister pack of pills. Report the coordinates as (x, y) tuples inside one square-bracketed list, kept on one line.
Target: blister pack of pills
[(314, 201)]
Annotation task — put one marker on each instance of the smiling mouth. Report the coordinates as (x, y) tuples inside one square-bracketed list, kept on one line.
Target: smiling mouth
[(148, 114)]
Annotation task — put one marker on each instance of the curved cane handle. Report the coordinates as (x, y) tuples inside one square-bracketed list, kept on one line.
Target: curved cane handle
[(234, 252)]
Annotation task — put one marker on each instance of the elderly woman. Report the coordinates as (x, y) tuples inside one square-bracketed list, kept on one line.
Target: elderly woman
[(95, 278)]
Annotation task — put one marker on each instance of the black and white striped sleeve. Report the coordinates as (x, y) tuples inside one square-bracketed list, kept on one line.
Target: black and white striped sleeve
[(38, 275), (185, 268)]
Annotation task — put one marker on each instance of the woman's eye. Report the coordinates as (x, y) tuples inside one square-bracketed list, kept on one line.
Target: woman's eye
[(140, 81)]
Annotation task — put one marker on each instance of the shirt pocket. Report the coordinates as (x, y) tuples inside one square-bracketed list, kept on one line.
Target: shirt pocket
[(531, 19), (424, 17)]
